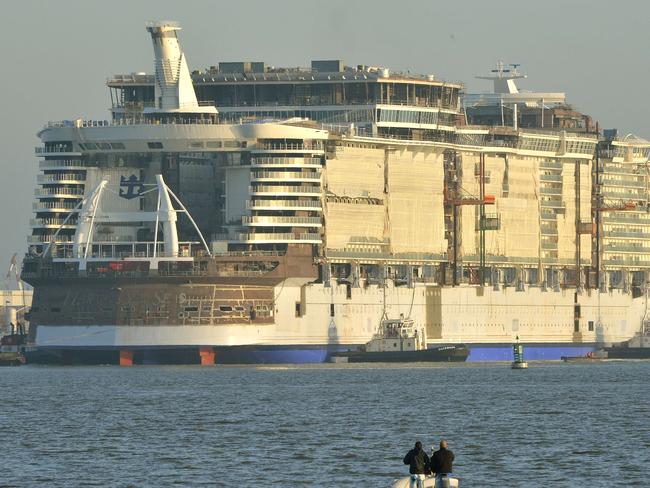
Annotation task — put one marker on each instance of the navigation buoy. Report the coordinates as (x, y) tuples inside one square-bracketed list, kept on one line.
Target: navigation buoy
[(518, 356)]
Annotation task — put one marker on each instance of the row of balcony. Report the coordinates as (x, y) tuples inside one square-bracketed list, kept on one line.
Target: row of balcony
[(550, 164), (314, 205), (268, 161), (314, 146), (64, 178), (298, 176), (52, 223), (61, 164), (55, 151), (629, 169), (54, 206), (552, 178), (546, 190), (619, 181), (284, 190), (626, 218), (625, 248), (280, 221), (59, 192), (280, 237), (626, 234), (47, 238)]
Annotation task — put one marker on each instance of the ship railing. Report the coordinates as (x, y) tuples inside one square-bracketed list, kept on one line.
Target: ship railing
[(123, 250), (279, 236), (283, 175), (235, 254), (51, 221), (58, 205), (44, 192), (289, 146), (315, 190), (251, 204), (285, 161), (122, 121), (280, 220)]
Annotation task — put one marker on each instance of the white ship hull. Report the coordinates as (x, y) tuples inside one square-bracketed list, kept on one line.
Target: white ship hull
[(479, 317)]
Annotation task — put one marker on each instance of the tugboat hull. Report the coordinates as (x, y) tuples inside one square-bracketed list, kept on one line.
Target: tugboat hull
[(437, 354), (628, 352)]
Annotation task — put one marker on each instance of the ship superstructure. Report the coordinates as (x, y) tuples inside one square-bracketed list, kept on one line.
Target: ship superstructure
[(259, 213)]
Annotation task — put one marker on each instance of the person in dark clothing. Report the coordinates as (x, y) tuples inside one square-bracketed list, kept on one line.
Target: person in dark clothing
[(441, 464), (418, 462)]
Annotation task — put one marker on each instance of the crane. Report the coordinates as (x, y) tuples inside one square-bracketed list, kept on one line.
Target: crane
[(455, 199)]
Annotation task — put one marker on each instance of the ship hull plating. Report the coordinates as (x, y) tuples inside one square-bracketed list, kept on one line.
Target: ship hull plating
[(304, 322)]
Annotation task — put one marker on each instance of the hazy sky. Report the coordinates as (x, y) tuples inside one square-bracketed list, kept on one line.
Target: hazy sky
[(56, 56)]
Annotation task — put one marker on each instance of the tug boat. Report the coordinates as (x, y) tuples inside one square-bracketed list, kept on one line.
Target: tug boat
[(400, 341), (638, 347), (12, 347)]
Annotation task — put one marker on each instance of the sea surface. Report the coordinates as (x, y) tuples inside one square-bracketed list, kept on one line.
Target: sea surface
[(555, 424)]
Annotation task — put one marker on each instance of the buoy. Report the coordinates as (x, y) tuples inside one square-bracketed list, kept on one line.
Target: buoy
[(518, 356)]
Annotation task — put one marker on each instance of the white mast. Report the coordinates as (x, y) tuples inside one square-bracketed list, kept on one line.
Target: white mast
[(504, 78)]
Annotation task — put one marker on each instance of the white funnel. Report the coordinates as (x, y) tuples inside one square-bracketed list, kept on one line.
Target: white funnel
[(173, 89)]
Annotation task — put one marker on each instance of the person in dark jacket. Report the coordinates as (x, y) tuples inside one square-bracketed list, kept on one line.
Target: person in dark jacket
[(418, 462), (441, 464)]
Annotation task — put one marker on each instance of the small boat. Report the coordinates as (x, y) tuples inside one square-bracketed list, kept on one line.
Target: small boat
[(638, 347), (400, 341), (12, 347), (590, 357), (518, 356), (429, 482), (11, 359)]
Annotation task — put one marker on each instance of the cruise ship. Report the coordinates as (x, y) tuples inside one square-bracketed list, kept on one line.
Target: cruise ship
[(245, 213)]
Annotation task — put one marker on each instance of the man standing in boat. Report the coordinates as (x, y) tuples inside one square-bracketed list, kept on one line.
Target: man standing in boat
[(441, 464), (418, 462)]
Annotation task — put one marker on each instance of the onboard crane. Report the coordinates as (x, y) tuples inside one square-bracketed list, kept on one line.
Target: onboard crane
[(455, 200)]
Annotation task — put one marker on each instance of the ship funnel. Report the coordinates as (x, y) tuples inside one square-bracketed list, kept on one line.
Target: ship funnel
[(173, 89)]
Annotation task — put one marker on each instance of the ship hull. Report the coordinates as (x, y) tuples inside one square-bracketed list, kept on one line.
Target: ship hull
[(306, 354), (331, 319)]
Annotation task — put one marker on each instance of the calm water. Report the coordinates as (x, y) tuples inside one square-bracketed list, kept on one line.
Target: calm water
[(553, 425)]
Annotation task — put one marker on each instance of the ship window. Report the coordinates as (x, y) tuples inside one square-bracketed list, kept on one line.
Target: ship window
[(348, 291), (154, 145), (591, 326), (191, 309), (104, 145), (231, 144), (117, 145), (214, 144), (331, 310), (90, 145), (225, 308), (240, 309), (196, 144), (576, 326), (298, 309)]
